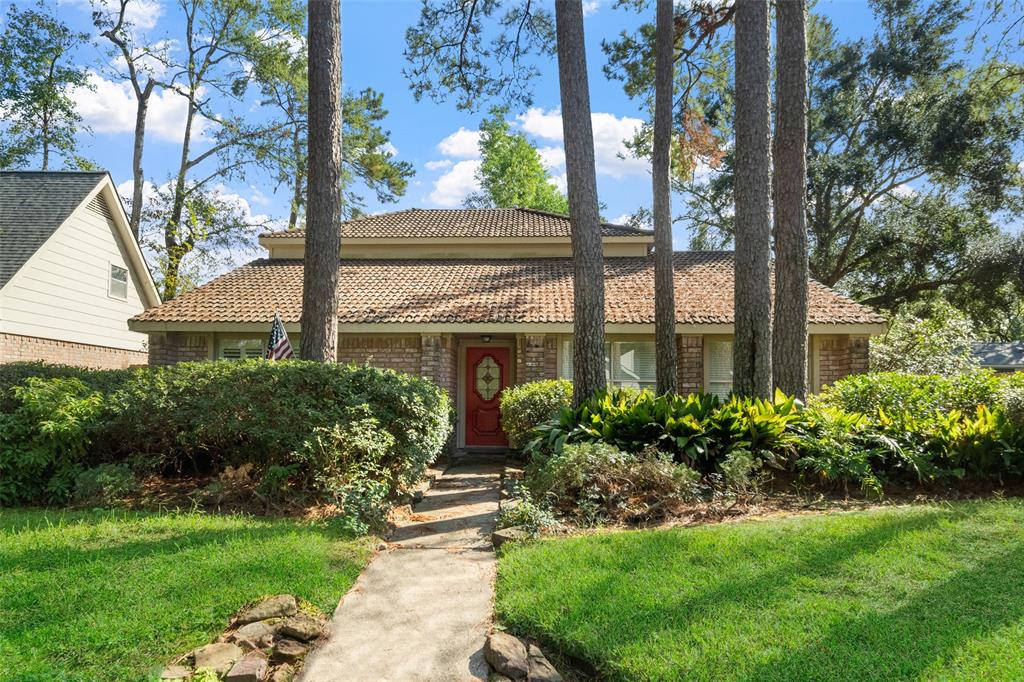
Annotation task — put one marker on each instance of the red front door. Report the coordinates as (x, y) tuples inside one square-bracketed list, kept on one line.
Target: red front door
[(486, 377)]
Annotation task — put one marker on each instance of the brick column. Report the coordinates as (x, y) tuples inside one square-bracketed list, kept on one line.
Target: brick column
[(858, 354), (835, 358), (690, 359), (173, 347), (438, 361), (536, 357)]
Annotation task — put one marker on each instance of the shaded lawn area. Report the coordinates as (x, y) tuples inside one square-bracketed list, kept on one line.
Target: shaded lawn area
[(931, 593), (113, 595)]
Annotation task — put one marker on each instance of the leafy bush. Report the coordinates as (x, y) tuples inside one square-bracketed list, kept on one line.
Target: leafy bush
[(525, 407), (1011, 400), (593, 482), (44, 439), (522, 509), (16, 373), (342, 428), (697, 429), (104, 484), (937, 344), (913, 393)]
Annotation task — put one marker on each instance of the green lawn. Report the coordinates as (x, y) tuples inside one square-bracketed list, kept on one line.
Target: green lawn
[(930, 593), (113, 595)]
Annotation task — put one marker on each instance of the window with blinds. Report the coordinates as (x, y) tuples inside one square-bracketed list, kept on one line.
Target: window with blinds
[(626, 363), (241, 349), (719, 369)]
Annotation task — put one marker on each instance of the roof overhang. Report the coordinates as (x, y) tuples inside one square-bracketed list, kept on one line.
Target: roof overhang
[(268, 241)]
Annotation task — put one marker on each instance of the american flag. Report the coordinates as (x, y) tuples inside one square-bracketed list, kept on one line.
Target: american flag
[(279, 347)]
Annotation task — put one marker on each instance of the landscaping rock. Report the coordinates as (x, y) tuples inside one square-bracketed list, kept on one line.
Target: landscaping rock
[(254, 632), (175, 672), (513, 534), (282, 673), (541, 669), (252, 668), (507, 655), (302, 627), (218, 657), (275, 607), (288, 650), (498, 677)]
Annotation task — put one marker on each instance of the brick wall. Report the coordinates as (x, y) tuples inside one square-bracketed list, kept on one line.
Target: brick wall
[(841, 356), (439, 361), (17, 348), (536, 357), (168, 348), (400, 353), (690, 363)]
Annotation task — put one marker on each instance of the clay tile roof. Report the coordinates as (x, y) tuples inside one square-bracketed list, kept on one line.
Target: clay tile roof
[(462, 223), (482, 291)]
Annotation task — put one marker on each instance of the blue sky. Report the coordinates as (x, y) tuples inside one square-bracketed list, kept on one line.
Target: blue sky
[(437, 139)]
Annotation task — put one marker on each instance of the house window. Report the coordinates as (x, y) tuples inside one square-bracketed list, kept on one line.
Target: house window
[(241, 349), (719, 367), (626, 363), (118, 282)]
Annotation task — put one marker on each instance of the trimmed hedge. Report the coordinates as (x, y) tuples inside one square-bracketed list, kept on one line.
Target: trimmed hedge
[(285, 418), (527, 406)]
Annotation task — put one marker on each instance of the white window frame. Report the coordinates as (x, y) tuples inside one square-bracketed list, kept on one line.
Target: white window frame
[(110, 281), (612, 352), (241, 349), (718, 385)]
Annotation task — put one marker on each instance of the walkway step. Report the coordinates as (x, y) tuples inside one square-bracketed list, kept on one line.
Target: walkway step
[(422, 609)]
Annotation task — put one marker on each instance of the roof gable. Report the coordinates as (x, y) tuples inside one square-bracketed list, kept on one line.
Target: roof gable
[(33, 205)]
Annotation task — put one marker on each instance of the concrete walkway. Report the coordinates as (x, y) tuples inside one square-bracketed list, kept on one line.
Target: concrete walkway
[(422, 608)]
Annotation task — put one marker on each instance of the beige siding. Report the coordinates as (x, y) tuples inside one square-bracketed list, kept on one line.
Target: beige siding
[(62, 291)]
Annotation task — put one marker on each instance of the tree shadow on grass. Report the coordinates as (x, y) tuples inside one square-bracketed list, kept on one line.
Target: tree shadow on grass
[(926, 630), (651, 620)]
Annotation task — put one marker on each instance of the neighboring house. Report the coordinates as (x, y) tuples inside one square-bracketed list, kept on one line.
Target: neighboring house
[(71, 272), (1001, 357), (479, 299)]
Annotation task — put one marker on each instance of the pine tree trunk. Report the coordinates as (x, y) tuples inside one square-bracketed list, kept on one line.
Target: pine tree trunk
[(664, 279), (752, 360), (138, 178), (323, 204), (584, 217), (789, 344)]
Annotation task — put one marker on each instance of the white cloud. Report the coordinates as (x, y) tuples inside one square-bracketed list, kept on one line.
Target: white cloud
[(389, 148), (141, 14), (110, 108), (904, 190), (591, 6), (561, 181), (551, 157), (622, 219), (462, 144), (610, 154), (454, 186), (438, 165)]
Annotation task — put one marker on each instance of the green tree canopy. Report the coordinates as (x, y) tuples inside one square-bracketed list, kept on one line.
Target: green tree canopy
[(36, 78), (511, 172), (914, 156)]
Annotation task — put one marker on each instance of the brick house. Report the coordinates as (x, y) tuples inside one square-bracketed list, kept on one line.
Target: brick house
[(71, 272), (479, 299)]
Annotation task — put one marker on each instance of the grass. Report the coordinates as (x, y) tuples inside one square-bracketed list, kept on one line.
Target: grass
[(908, 593), (114, 595)]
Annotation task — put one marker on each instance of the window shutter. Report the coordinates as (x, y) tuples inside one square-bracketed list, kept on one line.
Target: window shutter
[(231, 353), (565, 371), (242, 349), (719, 368)]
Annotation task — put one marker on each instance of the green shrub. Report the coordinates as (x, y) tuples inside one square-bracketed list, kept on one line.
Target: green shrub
[(104, 484), (523, 509), (15, 373), (697, 429), (918, 394), (594, 482), (1011, 400), (525, 407), (937, 343), (343, 428), (44, 439)]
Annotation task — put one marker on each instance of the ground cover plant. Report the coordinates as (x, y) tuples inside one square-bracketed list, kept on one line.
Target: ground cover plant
[(914, 592), (351, 435), (112, 595)]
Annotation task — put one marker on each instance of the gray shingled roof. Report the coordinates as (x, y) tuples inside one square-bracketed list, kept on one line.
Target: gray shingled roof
[(33, 204), (463, 223), (1000, 354)]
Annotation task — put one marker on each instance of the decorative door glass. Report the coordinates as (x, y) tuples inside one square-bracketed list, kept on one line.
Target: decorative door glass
[(488, 378)]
